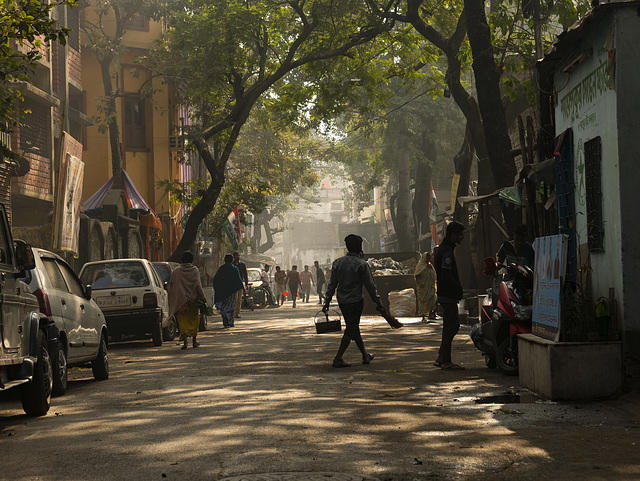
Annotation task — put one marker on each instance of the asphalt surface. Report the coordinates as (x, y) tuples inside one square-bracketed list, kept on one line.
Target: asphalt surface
[(261, 402)]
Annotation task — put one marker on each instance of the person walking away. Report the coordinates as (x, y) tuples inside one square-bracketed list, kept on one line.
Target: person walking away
[(280, 286), (226, 284), (320, 281), (306, 279), (449, 292), (349, 274), (293, 282), (185, 290), (242, 267), (425, 276)]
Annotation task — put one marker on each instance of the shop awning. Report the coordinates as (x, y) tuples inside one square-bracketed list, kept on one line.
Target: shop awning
[(135, 201)]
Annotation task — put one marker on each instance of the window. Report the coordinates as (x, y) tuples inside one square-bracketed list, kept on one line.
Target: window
[(135, 136), (137, 22), (593, 177)]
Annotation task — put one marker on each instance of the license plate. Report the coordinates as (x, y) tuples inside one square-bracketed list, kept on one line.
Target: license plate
[(113, 301)]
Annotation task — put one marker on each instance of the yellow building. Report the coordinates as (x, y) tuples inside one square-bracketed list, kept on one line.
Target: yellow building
[(149, 123)]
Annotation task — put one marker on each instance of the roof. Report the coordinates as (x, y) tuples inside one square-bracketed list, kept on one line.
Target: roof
[(580, 29)]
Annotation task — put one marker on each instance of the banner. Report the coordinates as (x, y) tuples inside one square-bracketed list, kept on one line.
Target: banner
[(454, 191), (231, 226), (550, 267), (70, 180)]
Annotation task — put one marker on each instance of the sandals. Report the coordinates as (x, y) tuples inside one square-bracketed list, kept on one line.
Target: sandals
[(453, 367), (184, 347), (368, 359), (196, 344)]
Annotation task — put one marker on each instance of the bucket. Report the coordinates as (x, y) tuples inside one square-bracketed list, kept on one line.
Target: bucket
[(325, 324)]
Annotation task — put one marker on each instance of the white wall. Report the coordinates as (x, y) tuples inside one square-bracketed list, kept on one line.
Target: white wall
[(588, 106)]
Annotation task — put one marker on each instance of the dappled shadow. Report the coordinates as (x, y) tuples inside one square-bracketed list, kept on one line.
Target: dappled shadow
[(263, 397)]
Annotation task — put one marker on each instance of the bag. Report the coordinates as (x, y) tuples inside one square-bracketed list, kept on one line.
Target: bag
[(402, 303), (324, 324)]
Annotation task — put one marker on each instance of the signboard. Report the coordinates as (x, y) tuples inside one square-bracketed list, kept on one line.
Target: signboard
[(551, 263), (70, 180)]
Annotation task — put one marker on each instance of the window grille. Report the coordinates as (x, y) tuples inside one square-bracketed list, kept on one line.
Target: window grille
[(593, 178)]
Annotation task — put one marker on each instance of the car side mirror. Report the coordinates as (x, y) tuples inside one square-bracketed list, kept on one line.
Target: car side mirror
[(24, 258), (88, 291), (166, 286)]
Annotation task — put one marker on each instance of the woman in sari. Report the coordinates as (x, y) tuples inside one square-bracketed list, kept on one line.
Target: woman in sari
[(185, 290), (226, 284), (425, 276)]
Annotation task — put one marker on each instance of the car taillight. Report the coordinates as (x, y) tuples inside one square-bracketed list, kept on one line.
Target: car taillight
[(150, 300), (43, 302)]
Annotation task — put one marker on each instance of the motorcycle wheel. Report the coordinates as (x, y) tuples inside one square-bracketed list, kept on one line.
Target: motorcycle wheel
[(259, 296), (507, 358), (490, 361)]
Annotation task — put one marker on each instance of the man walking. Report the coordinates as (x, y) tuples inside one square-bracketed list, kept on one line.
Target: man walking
[(242, 267), (349, 274), (320, 281), (449, 291), (306, 278)]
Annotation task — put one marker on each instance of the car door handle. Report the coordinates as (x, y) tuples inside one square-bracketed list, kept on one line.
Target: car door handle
[(64, 303), (81, 306)]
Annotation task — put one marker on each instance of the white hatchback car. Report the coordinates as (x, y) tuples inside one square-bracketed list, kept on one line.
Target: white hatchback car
[(132, 297), (79, 325)]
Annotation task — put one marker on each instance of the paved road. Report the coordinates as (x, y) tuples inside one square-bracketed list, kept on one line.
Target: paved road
[(262, 402)]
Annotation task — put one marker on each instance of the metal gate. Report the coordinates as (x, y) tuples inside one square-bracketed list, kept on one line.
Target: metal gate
[(565, 199)]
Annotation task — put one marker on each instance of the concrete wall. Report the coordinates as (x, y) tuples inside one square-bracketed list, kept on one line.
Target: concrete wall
[(627, 75), (589, 107)]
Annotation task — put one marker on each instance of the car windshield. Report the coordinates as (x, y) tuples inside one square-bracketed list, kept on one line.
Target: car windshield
[(253, 275), (115, 274), (163, 271)]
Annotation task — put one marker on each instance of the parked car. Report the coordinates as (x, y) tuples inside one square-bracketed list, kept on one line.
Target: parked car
[(132, 297), (164, 271), (79, 328), (25, 363)]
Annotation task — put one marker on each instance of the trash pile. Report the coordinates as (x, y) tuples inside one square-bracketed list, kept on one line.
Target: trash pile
[(388, 267)]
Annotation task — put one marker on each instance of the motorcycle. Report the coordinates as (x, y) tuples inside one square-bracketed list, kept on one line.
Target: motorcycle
[(505, 313)]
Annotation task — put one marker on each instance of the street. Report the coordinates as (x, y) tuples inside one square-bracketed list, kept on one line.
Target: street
[(261, 402)]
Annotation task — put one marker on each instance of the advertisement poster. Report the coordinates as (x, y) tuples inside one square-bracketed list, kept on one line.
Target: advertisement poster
[(549, 272), (66, 226)]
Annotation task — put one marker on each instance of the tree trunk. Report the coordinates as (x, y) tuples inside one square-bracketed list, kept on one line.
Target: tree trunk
[(421, 198), (494, 122), (403, 217), (112, 123)]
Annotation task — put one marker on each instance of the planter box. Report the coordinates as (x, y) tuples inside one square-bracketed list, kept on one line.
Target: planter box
[(570, 371)]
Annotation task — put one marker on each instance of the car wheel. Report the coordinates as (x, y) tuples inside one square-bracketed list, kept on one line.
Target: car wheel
[(156, 334), (203, 323), (36, 394), (59, 363), (169, 333), (100, 365), (507, 358)]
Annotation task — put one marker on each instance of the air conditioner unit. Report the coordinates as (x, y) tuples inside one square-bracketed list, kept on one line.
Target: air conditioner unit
[(176, 142)]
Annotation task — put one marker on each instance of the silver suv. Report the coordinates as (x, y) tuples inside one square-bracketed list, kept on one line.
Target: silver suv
[(79, 331), (132, 297)]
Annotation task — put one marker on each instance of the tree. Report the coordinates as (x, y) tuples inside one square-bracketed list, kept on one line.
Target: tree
[(229, 56), (25, 30)]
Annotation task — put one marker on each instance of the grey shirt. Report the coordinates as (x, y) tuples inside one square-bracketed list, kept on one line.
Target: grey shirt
[(348, 274)]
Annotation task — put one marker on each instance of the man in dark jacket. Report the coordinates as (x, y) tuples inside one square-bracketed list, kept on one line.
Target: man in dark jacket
[(349, 274), (449, 292)]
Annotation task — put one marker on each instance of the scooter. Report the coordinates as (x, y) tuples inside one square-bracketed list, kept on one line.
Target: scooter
[(505, 313)]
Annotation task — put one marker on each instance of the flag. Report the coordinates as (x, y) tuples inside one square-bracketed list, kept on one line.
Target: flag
[(433, 212), (231, 226), (433, 205)]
